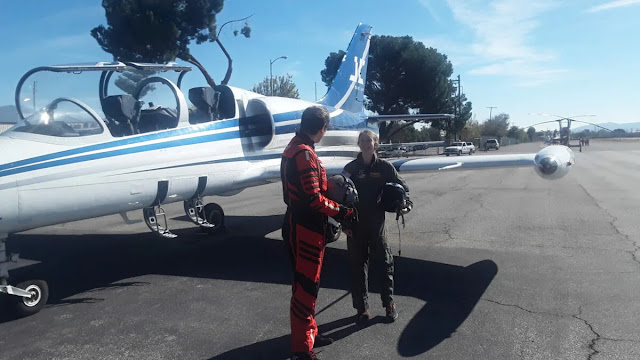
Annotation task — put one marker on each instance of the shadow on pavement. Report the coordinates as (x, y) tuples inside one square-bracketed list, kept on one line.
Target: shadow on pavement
[(79, 264)]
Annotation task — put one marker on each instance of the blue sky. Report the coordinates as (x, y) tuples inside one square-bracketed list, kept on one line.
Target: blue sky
[(521, 56)]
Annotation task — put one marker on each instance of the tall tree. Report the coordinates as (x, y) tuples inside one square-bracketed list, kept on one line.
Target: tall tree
[(531, 133), (402, 74), (432, 133), (471, 131), (496, 126), (513, 132), (331, 65), (282, 86), (128, 82), (161, 31)]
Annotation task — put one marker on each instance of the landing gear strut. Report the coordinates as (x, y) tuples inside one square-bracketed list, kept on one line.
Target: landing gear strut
[(29, 296), (209, 217), (151, 215)]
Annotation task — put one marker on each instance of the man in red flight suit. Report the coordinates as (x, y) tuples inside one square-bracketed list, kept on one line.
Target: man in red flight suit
[(303, 183)]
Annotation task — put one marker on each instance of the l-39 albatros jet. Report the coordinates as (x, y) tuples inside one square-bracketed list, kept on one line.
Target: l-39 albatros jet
[(69, 161)]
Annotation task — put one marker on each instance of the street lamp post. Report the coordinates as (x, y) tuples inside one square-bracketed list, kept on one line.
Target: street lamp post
[(271, 72)]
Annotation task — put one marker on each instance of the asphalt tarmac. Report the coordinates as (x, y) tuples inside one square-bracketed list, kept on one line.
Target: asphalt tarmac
[(496, 264)]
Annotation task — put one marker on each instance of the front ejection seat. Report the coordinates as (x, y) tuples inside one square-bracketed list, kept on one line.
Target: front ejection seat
[(123, 113)]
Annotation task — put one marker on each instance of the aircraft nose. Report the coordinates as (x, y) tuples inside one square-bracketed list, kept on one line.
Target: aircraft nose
[(16, 150), (548, 165)]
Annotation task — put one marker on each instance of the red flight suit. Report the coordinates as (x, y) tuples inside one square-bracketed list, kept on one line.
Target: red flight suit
[(303, 183)]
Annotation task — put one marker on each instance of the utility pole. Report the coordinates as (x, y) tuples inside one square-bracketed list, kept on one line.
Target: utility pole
[(457, 106), (490, 109), (459, 97)]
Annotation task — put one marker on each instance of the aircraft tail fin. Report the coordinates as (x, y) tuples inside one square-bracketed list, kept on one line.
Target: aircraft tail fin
[(347, 90)]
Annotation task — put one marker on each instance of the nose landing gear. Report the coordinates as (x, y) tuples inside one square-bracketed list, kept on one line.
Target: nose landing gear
[(29, 296)]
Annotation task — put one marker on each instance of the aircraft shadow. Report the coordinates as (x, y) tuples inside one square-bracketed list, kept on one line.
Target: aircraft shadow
[(81, 264)]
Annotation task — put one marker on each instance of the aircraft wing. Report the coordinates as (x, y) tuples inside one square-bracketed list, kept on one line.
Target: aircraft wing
[(552, 162), (448, 163), (408, 117)]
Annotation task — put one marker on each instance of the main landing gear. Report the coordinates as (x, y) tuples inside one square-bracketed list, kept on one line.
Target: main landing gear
[(333, 231), (28, 297), (209, 217)]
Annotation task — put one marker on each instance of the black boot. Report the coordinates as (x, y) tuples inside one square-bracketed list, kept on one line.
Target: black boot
[(392, 312), (321, 341), (304, 356)]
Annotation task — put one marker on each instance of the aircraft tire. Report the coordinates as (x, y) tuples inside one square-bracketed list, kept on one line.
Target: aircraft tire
[(333, 233), (29, 306), (214, 214)]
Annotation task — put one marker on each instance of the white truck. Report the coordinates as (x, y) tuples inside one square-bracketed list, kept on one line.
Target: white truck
[(458, 148)]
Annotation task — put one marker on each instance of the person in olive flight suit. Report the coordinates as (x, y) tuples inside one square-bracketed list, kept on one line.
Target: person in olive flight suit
[(367, 238)]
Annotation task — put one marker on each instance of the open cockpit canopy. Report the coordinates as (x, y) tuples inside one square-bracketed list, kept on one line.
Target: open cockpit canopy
[(142, 94)]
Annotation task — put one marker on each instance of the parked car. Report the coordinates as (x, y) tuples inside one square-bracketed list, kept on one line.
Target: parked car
[(491, 144), (457, 148), (471, 146), (397, 151)]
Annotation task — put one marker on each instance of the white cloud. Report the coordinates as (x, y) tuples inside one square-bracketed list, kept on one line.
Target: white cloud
[(613, 5), (527, 74), (456, 52), (503, 33), (429, 6)]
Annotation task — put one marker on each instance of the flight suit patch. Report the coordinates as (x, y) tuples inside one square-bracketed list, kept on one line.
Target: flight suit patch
[(374, 174)]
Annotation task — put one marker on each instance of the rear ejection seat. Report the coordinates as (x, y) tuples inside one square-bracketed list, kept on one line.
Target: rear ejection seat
[(123, 113), (205, 99), (213, 103)]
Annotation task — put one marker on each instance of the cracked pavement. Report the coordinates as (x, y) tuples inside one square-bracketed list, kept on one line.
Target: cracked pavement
[(496, 264)]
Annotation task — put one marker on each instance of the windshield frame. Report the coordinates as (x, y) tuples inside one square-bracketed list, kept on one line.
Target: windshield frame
[(107, 69)]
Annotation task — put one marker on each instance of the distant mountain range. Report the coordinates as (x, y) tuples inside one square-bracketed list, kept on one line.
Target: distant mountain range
[(9, 114), (611, 126)]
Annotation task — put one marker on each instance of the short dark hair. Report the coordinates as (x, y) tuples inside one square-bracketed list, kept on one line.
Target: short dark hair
[(314, 119)]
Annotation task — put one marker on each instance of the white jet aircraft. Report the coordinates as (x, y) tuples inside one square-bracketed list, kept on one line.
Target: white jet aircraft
[(67, 162)]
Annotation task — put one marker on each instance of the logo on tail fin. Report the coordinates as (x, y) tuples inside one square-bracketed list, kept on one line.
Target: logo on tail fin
[(357, 76), (346, 91)]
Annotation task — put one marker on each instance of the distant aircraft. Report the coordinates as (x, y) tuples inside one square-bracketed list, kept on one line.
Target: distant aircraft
[(66, 162), (563, 136)]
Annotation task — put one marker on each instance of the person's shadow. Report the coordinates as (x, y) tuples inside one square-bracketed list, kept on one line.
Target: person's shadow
[(451, 292), (79, 264)]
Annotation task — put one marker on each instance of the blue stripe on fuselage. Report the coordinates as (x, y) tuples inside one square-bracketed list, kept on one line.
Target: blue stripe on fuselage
[(216, 125), (342, 121), (138, 149), (223, 124)]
